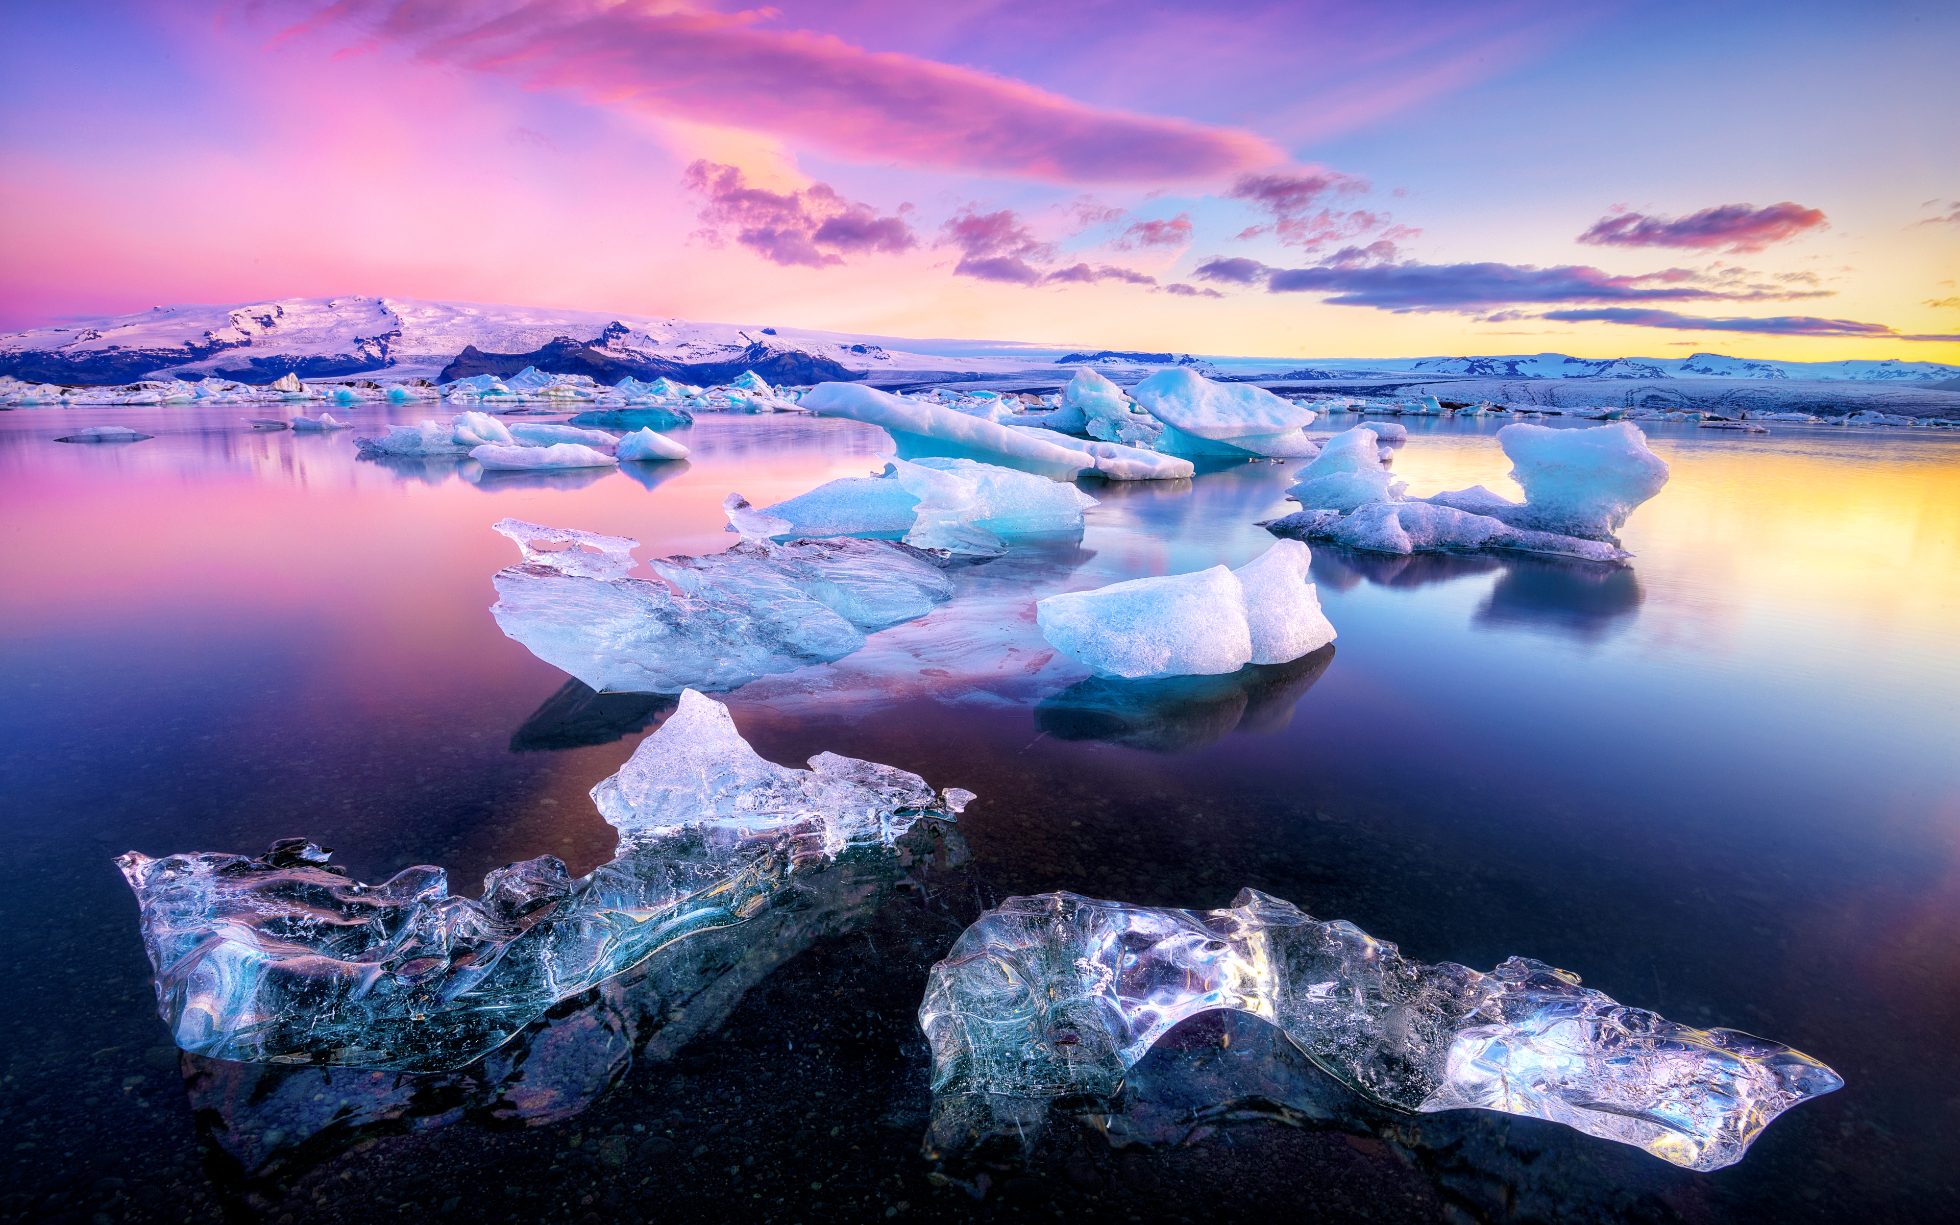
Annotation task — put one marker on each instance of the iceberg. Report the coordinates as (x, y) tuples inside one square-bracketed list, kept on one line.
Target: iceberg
[(496, 458), (713, 622), (645, 444), (1576, 482), (544, 434), (1426, 527), (1347, 474), (324, 423), (106, 433), (1201, 624), (644, 417), (281, 958), (1203, 418), (921, 429), (1107, 414), (454, 438), (1058, 996)]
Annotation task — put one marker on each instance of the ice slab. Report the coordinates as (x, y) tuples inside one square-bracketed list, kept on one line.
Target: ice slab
[(281, 958), (1426, 527), (456, 437), (1204, 418), (544, 434), (922, 429), (643, 417), (644, 445), (713, 622), (1347, 474), (324, 423), (533, 458), (1060, 995), (1577, 482), (570, 551), (1200, 624), (106, 433)]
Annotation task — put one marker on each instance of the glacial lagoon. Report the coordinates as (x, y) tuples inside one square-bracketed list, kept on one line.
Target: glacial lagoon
[(1719, 783)]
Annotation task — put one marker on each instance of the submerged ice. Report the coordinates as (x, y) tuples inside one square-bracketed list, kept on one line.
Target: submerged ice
[(712, 622), (281, 958), (1059, 995)]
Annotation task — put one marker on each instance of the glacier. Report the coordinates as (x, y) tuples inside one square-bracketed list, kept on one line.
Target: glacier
[(1058, 996), (1204, 623), (281, 958), (713, 622)]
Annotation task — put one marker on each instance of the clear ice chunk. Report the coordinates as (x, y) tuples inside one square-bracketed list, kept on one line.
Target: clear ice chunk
[(1059, 995), (570, 551), (281, 958), (713, 622), (1206, 418), (557, 455)]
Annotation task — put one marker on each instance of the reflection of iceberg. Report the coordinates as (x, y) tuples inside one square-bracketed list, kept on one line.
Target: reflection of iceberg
[(1060, 995), (1184, 712), (1584, 601), (578, 715), (274, 1122), (711, 622), (283, 959)]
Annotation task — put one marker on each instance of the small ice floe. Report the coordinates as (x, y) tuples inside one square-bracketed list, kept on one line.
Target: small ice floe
[(1348, 473), (1740, 427), (713, 622), (496, 457), (269, 423), (1200, 624), (106, 433), (324, 423), (544, 434), (1056, 997), (643, 445), (1203, 418), (282, 958), (959, 505), (454, 438)]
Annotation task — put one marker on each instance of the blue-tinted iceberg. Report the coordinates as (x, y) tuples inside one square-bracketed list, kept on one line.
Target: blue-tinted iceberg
[(535, 458), (1201, 624), (1060, 995), (281, 958), (544, 434), (1203, 418), (712, 622), (322, 424), (1348, 474), (1576, 482), (645, 445), (454, 438)]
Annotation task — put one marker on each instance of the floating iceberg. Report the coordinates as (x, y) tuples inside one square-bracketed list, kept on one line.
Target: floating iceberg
[(1425, 527), (1107, 414), (496, 458), (454, 438), (106, 433), (544, 434), (324, 423), (283, 959), (645, 417), (1204, 418), (1060, 995), (1576, 482), (645, 444), (711, 622), (1200, 624), (1347, 474), (934, 503)]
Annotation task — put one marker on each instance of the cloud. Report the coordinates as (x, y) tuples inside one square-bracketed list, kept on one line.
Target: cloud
[(1158, 232), (1950, 215), (1000, 246), (1476, 288), (1079, 274), (1183, 290), (1944, 303), (812, 228), (1231, 270), (674, 61), (1300, 205), (1728, 227), (1773, 325)]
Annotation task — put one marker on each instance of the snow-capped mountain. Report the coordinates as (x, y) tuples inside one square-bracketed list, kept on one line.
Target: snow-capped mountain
[(1564, 366)]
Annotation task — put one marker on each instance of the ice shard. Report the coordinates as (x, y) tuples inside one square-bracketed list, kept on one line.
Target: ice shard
[(282, 959), (1059, 995), (712, 622)]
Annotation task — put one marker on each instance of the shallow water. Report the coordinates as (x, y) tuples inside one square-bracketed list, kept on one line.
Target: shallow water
[(1721, 783)]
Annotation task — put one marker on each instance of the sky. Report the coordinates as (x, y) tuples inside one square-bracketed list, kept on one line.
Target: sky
[(1269, 177)]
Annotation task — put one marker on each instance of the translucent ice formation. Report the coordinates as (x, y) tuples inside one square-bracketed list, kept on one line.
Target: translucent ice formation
[(1107, 413), (1347, 474), (544, 434), (711, 622), (643, 417), (454, 438), (1200, 624), (283, 959), (1060, 995), (106, 433), (324, 423), (1204, 418), (1577, 482), (645, 444), (1425, 527), (532, 458)]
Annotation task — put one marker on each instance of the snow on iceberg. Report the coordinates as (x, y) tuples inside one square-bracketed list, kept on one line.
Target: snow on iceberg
[(713, 622), (495, 458), (322, 424), (1059, 996), (1204, 418), (544, 434), (106, 433), (1577, 482), (645, 444), (1347, 474), (281, 958), (1199, 624)]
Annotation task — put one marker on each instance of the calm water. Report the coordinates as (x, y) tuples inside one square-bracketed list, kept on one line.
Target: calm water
[(1724, 783)]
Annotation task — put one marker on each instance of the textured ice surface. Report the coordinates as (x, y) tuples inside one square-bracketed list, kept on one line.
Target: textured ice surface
[(106, 433), (456, 437), (920, 428), (1199, 624), (281, 958), (1426, 527), (1119, 461), (645, 417), (1060, 995), (711, 622), (1347, 474), (544, 434), (1578, 482), (1205, 418), (1107, 413), (324, 423), (534, 458), (646, 444), (570, 551)]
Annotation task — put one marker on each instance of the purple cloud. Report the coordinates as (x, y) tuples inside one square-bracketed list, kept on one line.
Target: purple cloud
[(1183, 290), (1157, 232), (732, 69), (1301, 208), (812, 228), (1951, 215), (999, 246), (1480, 287), (1080, 274), (1773, 325), (1232, 270), (1728, 227)]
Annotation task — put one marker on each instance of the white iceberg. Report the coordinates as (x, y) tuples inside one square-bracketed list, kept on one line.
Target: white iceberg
[(106, 433), (1204, 418), (921, 429), (324, 423), (646, 444), (496, 458), (454, 438), (1347, 474), (1198, 624), (544, 434), (1576, 482)]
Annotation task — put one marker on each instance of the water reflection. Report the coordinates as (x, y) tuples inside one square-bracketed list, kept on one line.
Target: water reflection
[(1178, 714), (578, 715), (1581, 600)]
